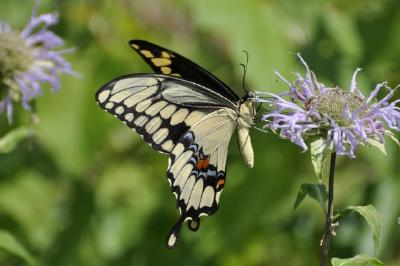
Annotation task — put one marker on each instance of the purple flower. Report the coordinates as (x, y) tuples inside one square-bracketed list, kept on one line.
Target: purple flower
[(344, 119), (27, 60)]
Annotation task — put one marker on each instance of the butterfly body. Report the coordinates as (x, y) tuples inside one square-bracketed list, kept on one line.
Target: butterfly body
[(186, 112), (245, 122)]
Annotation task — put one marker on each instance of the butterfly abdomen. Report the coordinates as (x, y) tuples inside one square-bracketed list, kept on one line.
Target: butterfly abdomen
[(245, 121)]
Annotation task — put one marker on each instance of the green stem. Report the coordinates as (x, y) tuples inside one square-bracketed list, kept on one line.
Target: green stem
[(329, 214)]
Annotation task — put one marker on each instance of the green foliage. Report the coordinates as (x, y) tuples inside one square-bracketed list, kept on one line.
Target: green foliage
[(12, 138), (391, 135), (359, 260), (377, 144), (13, 246), (317, 192), (371, 216)]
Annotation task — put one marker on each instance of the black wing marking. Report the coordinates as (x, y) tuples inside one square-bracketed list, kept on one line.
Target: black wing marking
[(196, 171), (167, 62)]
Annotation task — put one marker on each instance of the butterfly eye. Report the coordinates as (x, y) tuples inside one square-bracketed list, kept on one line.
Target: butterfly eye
[(249, 95)]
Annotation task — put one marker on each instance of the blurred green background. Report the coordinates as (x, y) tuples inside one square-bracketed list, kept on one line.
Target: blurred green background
[(88, 191)]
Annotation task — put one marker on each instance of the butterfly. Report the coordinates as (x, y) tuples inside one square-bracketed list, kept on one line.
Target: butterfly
[(186, 112)]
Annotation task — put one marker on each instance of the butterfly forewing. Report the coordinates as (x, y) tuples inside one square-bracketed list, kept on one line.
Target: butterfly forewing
[(138, 101), (164, 61)]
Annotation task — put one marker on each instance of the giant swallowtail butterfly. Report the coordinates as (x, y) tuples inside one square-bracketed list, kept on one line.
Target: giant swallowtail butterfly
[(186, 112)]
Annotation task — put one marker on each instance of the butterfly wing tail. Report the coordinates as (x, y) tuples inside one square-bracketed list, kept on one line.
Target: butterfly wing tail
[(174, 233)]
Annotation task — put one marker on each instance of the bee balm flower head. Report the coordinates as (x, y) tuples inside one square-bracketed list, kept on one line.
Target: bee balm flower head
[(344, 118), (27, 60)]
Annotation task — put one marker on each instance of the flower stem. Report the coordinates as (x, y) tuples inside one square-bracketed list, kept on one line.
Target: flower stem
[(329, 228)]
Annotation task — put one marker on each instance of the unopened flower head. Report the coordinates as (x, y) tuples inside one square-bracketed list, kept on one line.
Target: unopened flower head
[(344, 118), (28, 59)]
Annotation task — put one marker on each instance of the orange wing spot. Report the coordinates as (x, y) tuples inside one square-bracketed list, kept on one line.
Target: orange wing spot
[(202, 164), (220, 182)]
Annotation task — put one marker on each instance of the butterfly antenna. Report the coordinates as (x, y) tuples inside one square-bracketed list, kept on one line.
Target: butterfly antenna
[(245, 71)]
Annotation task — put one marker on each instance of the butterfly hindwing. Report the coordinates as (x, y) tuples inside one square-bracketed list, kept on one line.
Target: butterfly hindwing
[(196, 171), (164, 61)]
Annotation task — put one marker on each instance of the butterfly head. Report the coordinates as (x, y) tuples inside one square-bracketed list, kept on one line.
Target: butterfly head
[(249, 96)]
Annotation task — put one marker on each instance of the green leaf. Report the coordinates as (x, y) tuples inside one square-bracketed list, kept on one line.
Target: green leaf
[(319, 151), (315, 191), (377, 144), (343, 31), (391, 135), (12, 245), (12, 138), (359, 260), (371, 215)]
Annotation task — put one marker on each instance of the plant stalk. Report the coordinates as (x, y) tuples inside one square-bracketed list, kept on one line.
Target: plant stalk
[(329, 228)]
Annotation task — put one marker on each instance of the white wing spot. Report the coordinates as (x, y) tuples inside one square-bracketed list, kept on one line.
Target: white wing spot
[(168, 111), (180, 162), (119, 110), (109, 105), (217, 195), (129, 117), (120, 96), (153, 125), (208, 197), (187, 189), (178, 149), (193, 117), (156, 108), (179, 116), (141, 120), (195, 196), (147, 53), (183, 175), (165, 54), (103, 96), (160, 135), (143, 105), (161, 61), (134, 85), (168, 145), (172, 240), (166, 70), (140, 96)]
